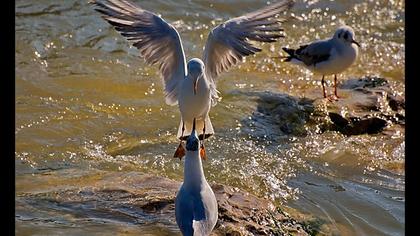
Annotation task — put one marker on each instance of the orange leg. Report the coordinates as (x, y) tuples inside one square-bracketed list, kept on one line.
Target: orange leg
[(335, 86), (202, 150), (180, 151), (323, 86)]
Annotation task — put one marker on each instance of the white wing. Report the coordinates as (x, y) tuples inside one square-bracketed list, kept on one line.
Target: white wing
[(229, 42), (158, 42)]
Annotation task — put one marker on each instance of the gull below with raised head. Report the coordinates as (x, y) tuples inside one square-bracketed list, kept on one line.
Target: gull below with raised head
[(195, 204), (327, 57), (192, 85)]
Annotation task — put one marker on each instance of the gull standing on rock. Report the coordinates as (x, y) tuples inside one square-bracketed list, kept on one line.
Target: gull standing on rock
[(327, 57), (192, 86), (195, 204)]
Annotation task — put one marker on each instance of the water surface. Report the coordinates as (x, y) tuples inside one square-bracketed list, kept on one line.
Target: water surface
[(85, 102)]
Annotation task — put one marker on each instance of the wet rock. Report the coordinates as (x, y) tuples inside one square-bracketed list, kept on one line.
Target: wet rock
[(241, 213), (395, 103), (145, 199), (371, 94), (369, 107), (356, 125), (337, 188), (278, 115), (338, 120), (364, 83)]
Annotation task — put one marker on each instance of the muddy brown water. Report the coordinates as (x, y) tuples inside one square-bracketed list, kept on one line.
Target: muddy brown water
[(85, 103)]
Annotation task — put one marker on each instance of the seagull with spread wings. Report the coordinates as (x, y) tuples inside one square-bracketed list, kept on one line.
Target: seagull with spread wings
[(192, 85)]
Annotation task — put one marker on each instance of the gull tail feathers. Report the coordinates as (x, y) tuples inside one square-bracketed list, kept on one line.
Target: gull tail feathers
[(292, 57), (199, 128)]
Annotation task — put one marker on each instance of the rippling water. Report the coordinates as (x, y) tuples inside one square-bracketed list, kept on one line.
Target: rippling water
[(85, 102)]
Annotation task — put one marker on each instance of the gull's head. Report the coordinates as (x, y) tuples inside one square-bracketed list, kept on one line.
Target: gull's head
[(195, 68), (345, 34), (193, 142)]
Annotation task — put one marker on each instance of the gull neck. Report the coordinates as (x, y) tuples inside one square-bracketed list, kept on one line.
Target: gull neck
[(193, 169)]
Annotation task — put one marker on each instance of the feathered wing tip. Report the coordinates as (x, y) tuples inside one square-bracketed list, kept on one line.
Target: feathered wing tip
[(171, 92), (199, 128), (214, 94), (229, 42), (158, 42)]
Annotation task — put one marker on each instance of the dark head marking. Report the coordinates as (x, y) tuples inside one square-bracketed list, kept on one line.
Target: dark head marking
[(192, 144), (346, 35)]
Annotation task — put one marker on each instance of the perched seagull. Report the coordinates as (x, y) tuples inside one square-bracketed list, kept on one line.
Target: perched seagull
[(192, 86), (327, 57), (195, 204)]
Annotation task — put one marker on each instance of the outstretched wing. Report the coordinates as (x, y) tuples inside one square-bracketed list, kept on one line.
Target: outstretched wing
[(158, 42), (229, 42)]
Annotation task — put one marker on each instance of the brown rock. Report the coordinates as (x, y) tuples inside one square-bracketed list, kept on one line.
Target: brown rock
[(357, 125), (132, 197)]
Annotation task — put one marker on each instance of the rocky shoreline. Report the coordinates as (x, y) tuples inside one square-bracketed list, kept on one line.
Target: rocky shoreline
[(368, 107), (133, 197)]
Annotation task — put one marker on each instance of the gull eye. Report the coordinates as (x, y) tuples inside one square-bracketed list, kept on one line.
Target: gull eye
[(346, 36), (339, 35)]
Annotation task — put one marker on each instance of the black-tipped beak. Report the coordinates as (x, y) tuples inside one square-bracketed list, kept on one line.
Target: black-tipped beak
[(358, 44), (193, 128)]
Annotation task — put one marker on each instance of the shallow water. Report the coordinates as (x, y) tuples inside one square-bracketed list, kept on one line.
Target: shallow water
[(85, 103)]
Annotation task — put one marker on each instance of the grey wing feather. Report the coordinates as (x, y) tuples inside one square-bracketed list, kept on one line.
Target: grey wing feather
[(199, 218), (158, 42), (229, 42), (205, 212), (184, 212), (315, 52), (194, 212)]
